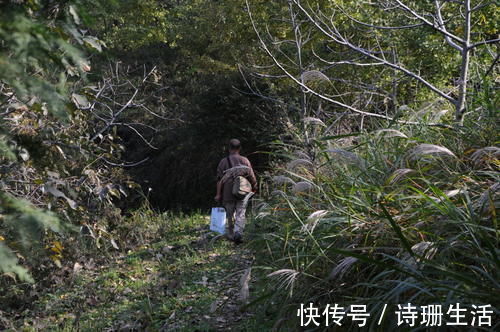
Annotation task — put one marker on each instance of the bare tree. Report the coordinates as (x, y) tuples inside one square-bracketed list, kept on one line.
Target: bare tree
[(462, 13), (119, 102)]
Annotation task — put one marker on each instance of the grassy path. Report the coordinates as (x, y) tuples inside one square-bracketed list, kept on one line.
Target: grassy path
[(187, 280)]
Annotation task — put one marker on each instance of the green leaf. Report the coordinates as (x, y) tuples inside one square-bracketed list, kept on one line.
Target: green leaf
[(9, 264), (398, 231)]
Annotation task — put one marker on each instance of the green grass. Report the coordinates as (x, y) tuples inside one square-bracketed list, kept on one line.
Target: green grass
[(168, 284)]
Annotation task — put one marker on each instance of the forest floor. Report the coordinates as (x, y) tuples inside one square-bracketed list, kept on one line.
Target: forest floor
[(188, 280)]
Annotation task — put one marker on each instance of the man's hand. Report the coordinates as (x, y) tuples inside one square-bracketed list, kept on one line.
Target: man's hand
[(217, 198)]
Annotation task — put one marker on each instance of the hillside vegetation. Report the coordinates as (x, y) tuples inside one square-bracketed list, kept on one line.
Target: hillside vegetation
[(372, 127)]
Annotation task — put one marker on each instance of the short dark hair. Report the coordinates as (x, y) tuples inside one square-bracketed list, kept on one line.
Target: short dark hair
[(234, 144)]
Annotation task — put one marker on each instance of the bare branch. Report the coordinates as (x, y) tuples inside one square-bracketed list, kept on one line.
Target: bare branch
[(147, 75), (493, 64), (347, 62), (484, 42), (321, 96), (111, 122), (460, 103), (481, 5), (379, 26), (427, 22), (5, 102), (255, 91), (125, 164), (151, 112), (148, 143), (442, 26), (337, 37)]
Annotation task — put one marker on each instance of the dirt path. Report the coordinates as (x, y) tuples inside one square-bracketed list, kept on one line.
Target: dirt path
[(227, 274), (187, 280)]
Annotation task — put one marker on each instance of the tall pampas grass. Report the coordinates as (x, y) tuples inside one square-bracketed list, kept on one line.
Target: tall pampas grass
[(365, 229), (422, 150)]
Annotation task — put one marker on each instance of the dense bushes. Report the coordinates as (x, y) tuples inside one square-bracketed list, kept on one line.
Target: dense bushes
[(198, 83), (34, 62), (58, 166)]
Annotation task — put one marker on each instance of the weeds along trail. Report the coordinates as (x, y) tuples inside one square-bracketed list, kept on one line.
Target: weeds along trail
[(185, 279)]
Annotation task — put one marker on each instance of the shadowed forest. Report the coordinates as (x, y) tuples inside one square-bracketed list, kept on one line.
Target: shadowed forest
[(372, 128)]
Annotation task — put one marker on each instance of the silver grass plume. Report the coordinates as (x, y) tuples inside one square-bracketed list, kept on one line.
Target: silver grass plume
[(281, 179), (286, 278), (347, 156), (315, 121), (278, 193), (314, 75), (244, 287), (449, 194), (425, 249), (299, 162), (262, 210), (489, 199), (302, 186), (313, 220), (342, 268), (428, 149), (390, 133), (399, 174), (301, 155), (436, 117), (489, 151)]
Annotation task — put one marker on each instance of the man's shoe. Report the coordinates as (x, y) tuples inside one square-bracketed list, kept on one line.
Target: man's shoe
[(237, 238)]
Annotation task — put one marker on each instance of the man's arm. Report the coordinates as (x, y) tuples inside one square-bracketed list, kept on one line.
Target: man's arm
[(218, 194), (220, 172)]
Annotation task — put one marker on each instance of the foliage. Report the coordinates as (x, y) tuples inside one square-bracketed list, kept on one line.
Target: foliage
[(370, 56), (392, 217), (46, 153), (127, 25), (36, 57), (97, 97), (33, 74)]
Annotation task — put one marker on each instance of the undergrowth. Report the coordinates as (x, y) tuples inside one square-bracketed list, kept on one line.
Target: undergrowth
[(396, 216), (173, 274)]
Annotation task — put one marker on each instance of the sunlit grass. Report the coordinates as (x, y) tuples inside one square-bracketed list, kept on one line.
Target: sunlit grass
[(392, 219)]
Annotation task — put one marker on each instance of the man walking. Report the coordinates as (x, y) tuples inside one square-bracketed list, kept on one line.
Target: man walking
[(228, 170)]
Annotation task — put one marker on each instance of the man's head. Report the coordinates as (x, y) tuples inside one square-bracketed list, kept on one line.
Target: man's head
[(234, 145)]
